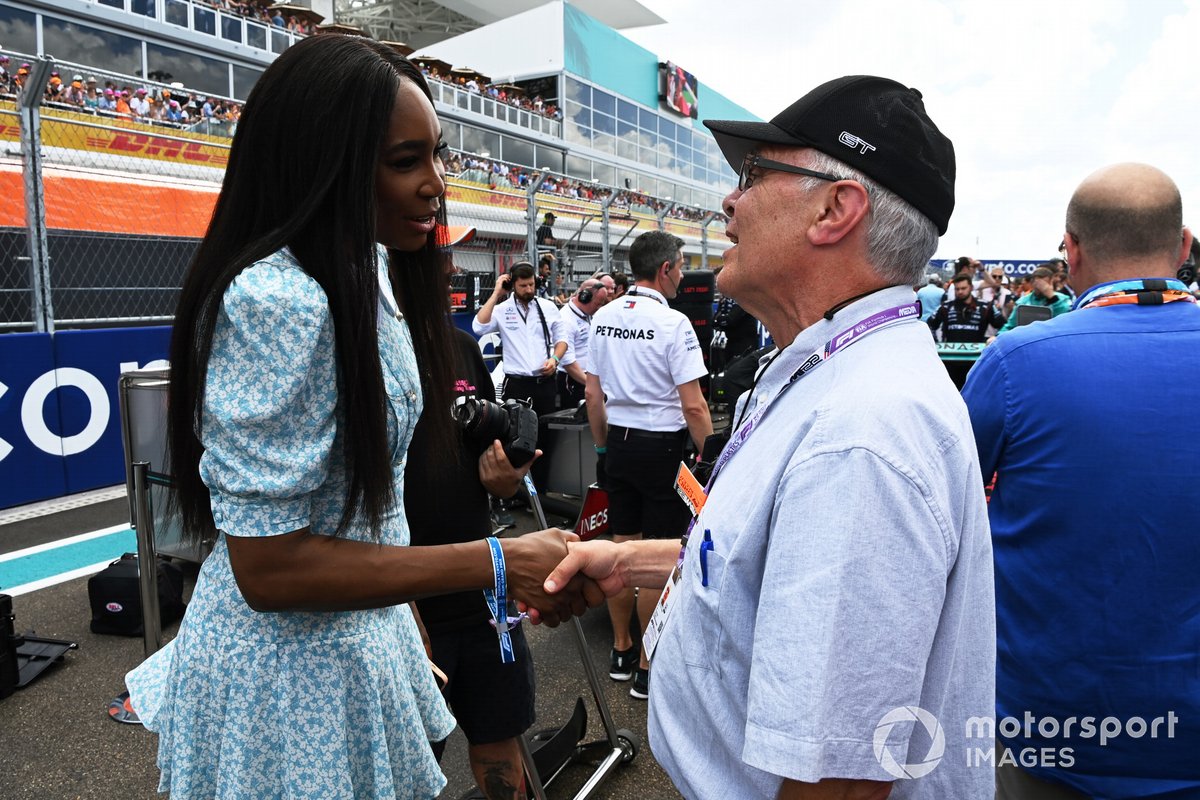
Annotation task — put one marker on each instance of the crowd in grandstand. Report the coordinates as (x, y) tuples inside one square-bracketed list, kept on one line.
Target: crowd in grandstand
[(172, 107), (178, 108), (501, 93), (250, 9), (492, 173), (260, 12)]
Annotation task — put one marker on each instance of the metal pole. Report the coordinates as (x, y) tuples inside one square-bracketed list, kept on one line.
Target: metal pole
[(147, 560), (127, 443), (605, 228), (704, 223), (589, 668), (35, 207), (534, 784), (662, 215), (531, 217)]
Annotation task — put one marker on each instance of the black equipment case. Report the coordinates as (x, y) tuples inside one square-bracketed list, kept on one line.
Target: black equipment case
[(117, 601)]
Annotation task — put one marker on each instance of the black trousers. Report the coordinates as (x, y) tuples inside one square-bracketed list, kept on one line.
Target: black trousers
[(641, 468), (539, 392)]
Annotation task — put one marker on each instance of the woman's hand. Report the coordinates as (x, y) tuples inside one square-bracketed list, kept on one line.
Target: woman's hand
[(529, 559), (498, 475)]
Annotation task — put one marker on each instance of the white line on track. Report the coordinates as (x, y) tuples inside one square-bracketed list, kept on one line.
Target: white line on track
[(41, 548)]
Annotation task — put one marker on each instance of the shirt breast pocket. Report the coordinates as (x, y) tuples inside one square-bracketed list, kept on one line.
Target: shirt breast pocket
[(701, 642)]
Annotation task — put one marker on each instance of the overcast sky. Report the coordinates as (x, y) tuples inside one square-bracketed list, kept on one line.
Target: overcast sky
[(1035, 94)]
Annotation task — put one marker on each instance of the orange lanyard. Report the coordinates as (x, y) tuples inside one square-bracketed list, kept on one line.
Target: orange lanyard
[(1137, 298)]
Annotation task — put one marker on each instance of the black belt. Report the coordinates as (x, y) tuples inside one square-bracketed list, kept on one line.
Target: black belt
[(528, 378), (622, 433)]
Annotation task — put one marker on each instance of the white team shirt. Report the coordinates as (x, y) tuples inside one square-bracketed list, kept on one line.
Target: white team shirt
[(578, 326), (522, 334), (642, 351)]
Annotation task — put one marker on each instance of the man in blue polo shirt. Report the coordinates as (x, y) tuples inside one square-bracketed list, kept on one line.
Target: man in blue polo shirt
[(1086, 419)]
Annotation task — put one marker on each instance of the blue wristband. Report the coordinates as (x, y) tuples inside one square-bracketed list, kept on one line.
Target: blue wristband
[(497, 601)]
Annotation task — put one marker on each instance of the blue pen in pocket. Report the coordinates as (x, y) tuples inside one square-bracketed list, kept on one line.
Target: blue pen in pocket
[(705, 548)]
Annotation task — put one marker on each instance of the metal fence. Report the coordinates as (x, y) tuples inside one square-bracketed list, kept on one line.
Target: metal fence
[(102, 216)]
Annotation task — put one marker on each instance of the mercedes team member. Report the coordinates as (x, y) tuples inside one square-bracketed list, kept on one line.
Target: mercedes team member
[(609, 283), (532, 334), (645, 357), (534, 341), (576, 315)]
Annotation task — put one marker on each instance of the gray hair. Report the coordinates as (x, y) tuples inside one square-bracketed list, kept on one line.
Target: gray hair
[(900, 239)]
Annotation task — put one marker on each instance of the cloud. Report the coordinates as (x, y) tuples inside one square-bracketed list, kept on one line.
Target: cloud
[(1035, 94), (1154, 115)]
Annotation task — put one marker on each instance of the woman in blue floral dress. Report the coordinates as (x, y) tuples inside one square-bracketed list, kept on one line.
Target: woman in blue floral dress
[(298, 671)]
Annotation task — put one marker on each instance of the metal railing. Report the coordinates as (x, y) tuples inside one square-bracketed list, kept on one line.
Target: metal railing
[(211, 19), (467, 100)]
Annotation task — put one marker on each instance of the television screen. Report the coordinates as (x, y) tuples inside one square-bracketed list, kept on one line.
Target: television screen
[(679, 90)]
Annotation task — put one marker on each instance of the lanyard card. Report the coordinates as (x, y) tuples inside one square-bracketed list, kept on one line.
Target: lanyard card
[(690, 489), (662, 612)]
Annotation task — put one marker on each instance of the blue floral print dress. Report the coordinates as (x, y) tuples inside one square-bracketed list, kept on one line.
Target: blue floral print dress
[(295, 705)]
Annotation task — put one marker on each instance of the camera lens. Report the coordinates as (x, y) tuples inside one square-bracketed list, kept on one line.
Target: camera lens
[(481, 420)]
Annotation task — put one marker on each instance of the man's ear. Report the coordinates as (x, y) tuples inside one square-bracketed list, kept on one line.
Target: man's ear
[(1072, 253), (1185, 245), (846, 204)]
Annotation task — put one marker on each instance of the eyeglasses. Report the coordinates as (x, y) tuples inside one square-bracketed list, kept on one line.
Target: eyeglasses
[(1062, 246), (746, 177)]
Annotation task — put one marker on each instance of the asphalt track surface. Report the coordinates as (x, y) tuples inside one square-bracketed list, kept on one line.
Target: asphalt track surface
[(57, 741)]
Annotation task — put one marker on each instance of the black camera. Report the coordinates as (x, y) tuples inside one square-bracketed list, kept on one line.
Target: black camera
[(515, 425)]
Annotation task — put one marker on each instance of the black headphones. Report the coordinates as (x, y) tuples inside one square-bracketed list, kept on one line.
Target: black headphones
[(586, 292), (1187, 270), (667, 274)]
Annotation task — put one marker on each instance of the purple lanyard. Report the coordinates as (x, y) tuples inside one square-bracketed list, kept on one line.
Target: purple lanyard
[(832, 347)]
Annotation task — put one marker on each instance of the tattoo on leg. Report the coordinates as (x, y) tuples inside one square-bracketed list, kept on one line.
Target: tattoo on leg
[(496, 784)]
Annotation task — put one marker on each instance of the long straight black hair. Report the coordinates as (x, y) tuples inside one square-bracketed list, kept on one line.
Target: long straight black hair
[(301, 174)]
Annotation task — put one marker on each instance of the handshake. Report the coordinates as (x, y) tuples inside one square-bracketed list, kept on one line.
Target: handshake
[(553, 576)]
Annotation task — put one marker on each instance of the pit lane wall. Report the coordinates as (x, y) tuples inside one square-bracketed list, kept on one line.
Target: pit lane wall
[(60, 425)]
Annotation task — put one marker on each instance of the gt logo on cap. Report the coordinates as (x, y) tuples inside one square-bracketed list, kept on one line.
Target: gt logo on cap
[(850, 140)]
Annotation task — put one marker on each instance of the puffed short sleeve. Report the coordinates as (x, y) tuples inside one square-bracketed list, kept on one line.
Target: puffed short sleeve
[(269, 420)]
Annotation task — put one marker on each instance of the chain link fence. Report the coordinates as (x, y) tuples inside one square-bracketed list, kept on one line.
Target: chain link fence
[(109, 205), (120, 203), (125, 207), (15, 295)]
